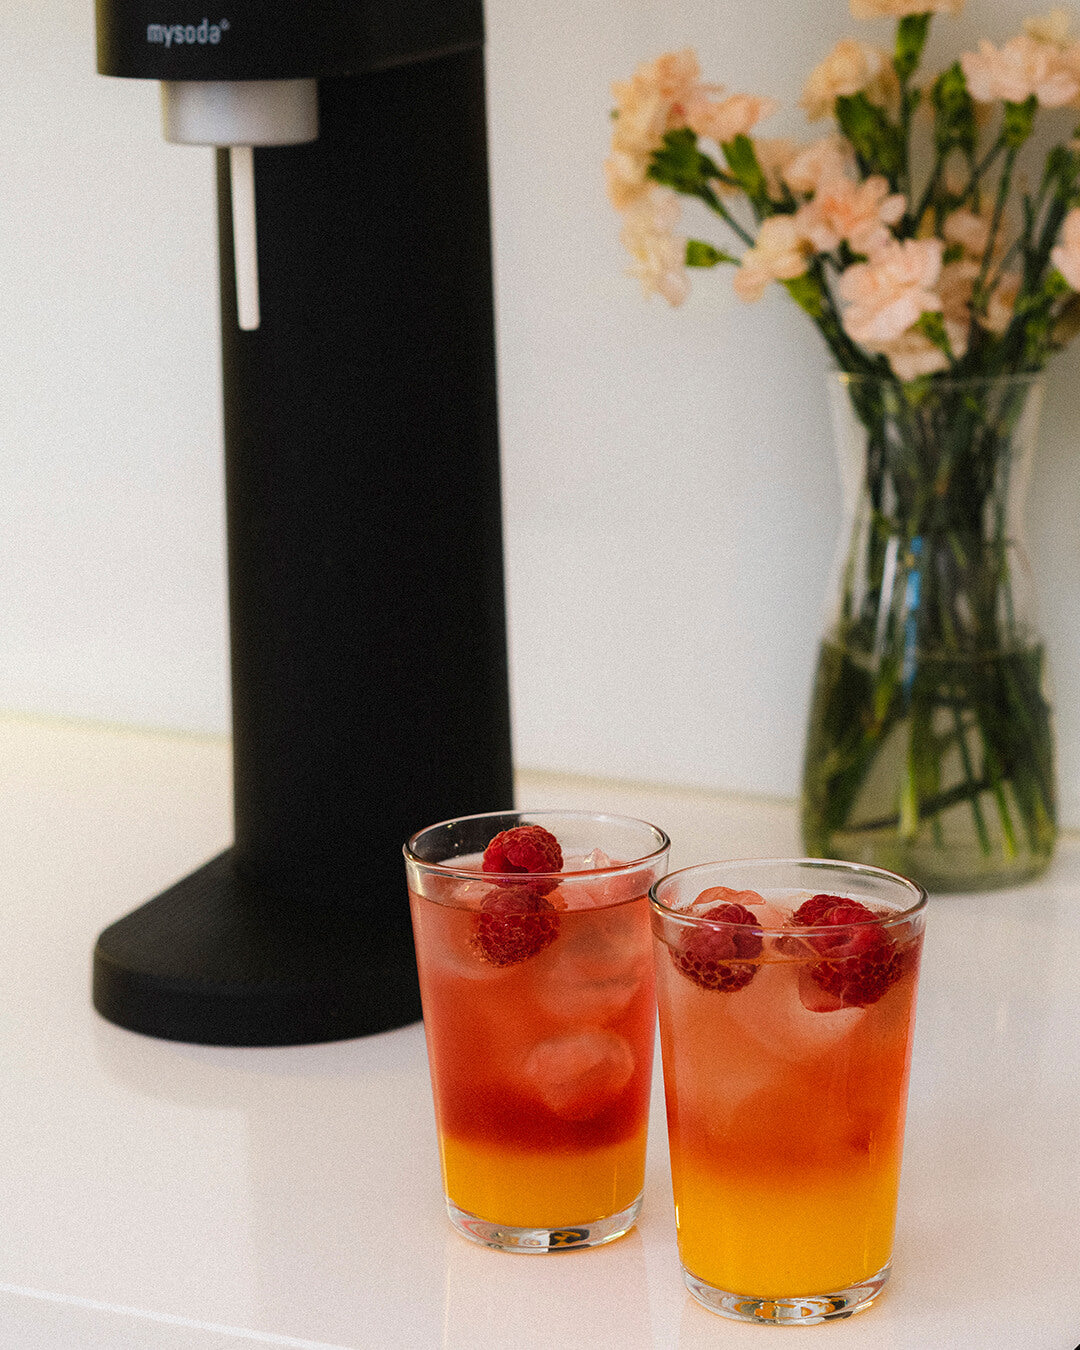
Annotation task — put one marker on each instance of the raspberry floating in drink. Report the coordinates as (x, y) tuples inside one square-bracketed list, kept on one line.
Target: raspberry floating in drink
[(525, 848), (861, 961), (705, 955), (517, 922), (514, 925)]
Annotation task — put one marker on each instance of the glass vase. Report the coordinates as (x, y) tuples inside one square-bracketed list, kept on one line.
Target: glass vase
[(930, 749)]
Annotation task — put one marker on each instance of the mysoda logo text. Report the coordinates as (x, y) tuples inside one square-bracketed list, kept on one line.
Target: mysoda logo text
[(177, 34)]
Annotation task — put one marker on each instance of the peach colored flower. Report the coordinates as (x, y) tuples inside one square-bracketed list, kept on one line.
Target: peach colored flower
[(625, 176), (647, 105), (1070, 59), (727, 118), (859, 213), (913, 268), (659, 254), (1022, 67), (884, 296), (956, 287), (1066, 255), (774, 154), (652, 100), (899, 9), (820, 162), (780, 253), (1053, 29), (913, 354), (970, 231), (850, 68), (660, 96)]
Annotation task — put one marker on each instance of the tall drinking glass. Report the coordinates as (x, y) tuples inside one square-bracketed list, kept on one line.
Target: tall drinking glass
[(539, 1010), (786, 991)]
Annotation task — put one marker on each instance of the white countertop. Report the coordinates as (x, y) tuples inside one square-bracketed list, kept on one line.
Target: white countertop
[(156, 1196)]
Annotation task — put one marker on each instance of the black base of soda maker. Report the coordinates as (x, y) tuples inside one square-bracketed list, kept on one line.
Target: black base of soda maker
[(365, 576)]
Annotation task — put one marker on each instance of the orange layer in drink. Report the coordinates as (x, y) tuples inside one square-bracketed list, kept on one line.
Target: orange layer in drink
[(528, 1188), (785, 1120), (540, 1068)]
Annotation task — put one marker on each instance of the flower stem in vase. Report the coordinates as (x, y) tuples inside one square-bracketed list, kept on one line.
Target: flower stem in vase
[(929, 747)]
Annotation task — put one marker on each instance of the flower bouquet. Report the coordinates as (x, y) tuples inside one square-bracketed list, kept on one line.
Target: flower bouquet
[(942, 271)]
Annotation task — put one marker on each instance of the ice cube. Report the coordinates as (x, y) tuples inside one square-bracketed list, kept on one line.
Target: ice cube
[(770, 1014), (463, 961), (813, 997), (584, 894), (597, 967), (576, 1076), (715, 1071), (446, 943), (770, 915), (588, 862), (471, 894)]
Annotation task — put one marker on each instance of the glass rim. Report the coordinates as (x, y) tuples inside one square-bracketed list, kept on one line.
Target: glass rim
[(947, 382), (835, 864), (469, 873)]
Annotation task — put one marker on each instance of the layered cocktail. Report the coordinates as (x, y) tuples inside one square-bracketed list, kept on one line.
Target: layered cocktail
[(786, 992), (534, 950)]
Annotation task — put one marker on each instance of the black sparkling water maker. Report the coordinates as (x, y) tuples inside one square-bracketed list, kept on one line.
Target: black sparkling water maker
[(367, 628)]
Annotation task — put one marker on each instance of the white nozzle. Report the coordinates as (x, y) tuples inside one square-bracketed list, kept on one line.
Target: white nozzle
[(240, 112), (245, 239)]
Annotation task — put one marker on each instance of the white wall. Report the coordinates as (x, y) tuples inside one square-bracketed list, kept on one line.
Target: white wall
[(671, 500)]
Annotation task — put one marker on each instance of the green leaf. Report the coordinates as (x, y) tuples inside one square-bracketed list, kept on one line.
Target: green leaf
[(700, 254), (954, 112), (743, 163), (679, 164), (911, 34), (807, 293), (932, 325), (878, 143), (1018, 121)]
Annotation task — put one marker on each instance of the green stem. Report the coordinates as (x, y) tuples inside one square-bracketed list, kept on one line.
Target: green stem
[(969, 775), (928, 193), (997, 787), (931, 809), (714, 203), (978, 298), (983, 167)]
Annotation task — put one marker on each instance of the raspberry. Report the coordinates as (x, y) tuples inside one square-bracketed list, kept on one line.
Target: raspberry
[(704, 954), (527, 849), (813, 910), (861, 959), (514, 924)]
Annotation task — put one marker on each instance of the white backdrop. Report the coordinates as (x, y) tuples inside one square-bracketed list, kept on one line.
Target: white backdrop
[(671, 500)]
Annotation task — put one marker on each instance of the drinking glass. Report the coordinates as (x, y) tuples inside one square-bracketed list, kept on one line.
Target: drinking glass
[(786, 1018), (540, 1020)]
